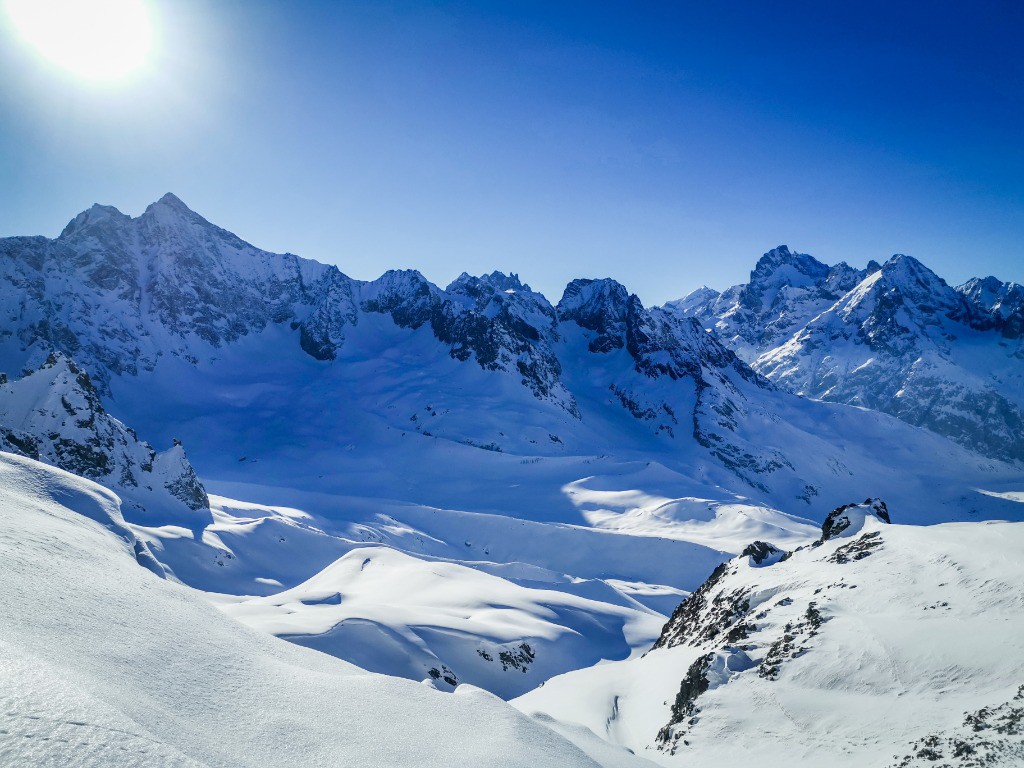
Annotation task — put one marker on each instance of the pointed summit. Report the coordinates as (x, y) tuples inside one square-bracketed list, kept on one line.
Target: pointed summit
[(173, 201), (170, 205), (922, 290), (97, 214)]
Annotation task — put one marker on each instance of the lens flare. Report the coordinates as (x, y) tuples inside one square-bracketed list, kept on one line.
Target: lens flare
[(92, 39)]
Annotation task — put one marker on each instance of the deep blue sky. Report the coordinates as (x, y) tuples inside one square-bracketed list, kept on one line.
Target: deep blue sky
[(664, 144)]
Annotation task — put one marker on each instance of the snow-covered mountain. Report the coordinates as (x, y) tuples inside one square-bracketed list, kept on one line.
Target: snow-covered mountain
[(894, 337), (191, 333), (877, 644), (1004, 300), (596, 448), (54, 414), (785, 291)]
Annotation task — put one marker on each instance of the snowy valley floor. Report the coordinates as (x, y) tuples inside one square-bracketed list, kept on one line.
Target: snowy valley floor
[(106, 663)]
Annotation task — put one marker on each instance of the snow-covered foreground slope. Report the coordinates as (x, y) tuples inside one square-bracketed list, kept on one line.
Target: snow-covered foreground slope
[(882, 645), (104, 663)]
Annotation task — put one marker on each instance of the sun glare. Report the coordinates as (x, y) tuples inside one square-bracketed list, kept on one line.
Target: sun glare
[(93, 39)]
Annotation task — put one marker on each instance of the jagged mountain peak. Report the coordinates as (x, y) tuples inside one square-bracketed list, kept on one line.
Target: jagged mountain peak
[(904, 282), (902, 265), (167, 209), (54, 414), (171, 204), (495, 281), (785, 265), (603, 306), (407, 289), (1001, 299), (169, 215), (172, 200)]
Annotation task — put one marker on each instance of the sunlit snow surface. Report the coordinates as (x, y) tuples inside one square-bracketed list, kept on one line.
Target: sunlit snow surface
[(104, 663)]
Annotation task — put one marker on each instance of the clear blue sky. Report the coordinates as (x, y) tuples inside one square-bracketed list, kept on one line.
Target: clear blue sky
[(664, 144)]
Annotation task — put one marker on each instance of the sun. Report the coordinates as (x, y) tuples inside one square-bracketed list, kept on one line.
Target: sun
[(93, 39)]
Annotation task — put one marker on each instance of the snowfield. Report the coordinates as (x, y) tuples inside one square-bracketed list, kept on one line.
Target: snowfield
[(387, 611), (105, 663)]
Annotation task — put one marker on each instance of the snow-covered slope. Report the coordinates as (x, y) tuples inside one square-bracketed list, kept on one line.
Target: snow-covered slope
[(895, 338), (55, 415), (104, 663), (880, 644)]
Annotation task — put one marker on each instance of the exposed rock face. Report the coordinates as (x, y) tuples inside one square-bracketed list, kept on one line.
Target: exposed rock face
[(762, 553), (849, 518), (664, 347), (990, 736), (54, 415), (507, 327), (908, 657), (322, 331), (895, 338), (601, 306)]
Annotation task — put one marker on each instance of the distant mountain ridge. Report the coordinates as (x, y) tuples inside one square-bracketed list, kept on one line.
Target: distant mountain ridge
[(893, 337), (118, 293), (190, 324)]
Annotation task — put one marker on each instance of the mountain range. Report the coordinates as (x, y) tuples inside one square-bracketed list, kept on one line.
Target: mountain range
[(475, 486), (893, 337)]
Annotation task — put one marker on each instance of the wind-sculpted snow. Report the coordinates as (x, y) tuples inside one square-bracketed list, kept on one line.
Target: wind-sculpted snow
[(389, 612), (894, 338), (103, 663), (879, 640)]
